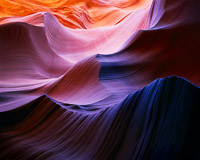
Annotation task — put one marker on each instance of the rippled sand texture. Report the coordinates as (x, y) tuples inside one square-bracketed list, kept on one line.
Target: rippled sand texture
[(99, 79)]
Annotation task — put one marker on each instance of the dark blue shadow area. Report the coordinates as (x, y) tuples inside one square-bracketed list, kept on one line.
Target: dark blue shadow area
[(160, 121)]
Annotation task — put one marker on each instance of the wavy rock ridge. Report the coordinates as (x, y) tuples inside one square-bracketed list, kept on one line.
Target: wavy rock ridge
[(99, 79), (156, 122)]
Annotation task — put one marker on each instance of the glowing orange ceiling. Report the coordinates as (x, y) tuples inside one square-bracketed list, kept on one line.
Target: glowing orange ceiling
[(75, 13)]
